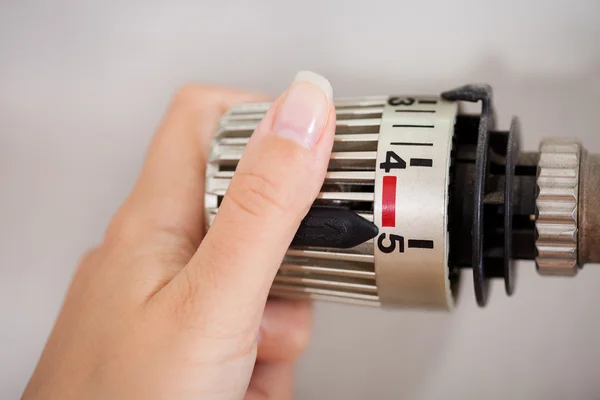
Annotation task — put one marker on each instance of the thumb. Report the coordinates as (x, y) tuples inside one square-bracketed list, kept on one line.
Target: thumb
[(276, 181)]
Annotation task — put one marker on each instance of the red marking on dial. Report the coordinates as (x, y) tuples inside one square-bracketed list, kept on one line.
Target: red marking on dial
[(388, 201)]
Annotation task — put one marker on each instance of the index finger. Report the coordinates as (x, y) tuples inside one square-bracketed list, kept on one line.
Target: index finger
[(169, 194)]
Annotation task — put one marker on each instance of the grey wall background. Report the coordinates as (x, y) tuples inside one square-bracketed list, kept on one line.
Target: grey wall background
[(84, 83)]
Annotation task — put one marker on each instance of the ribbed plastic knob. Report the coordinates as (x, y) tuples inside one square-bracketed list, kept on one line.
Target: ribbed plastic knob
[(389, 168), (339, 275)]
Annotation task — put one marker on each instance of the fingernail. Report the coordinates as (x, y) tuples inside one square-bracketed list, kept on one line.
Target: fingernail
[(303, 113)]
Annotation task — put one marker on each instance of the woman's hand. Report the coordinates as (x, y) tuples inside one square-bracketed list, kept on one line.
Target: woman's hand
[(164, 310)]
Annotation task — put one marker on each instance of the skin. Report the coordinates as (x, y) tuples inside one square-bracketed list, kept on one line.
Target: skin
[(162, 309)]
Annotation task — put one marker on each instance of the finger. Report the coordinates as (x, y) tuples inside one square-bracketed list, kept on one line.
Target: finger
[(271, 381), (278, 177), (285, 330), (167, 201)]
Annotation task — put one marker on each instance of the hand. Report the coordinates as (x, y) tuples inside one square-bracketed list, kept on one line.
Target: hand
[(161, 310)]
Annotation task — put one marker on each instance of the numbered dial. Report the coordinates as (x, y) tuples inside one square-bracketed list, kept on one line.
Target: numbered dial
[(411, 202), (377, 232)]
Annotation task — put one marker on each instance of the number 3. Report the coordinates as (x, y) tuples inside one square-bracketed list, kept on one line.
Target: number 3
[(399, 101)]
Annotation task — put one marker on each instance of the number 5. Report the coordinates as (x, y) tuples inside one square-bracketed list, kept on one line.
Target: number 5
[(393, 240)]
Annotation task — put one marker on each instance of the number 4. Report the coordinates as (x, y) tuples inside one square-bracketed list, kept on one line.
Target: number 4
[(392, 161)]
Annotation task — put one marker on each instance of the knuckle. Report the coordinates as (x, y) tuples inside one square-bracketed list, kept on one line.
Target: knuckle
[(122, 231), (91, 255), (190, 93), (124, 226), (89, 261), (193, 97), (257, 195), (197, 96)]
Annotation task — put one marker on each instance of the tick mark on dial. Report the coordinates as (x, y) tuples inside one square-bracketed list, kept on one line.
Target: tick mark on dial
[(413, 126), (421, 162), (420, 244), (408, 110), (410, 144)]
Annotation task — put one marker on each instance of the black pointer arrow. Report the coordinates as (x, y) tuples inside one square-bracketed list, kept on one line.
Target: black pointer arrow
[(313, 229), (333, 227)]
